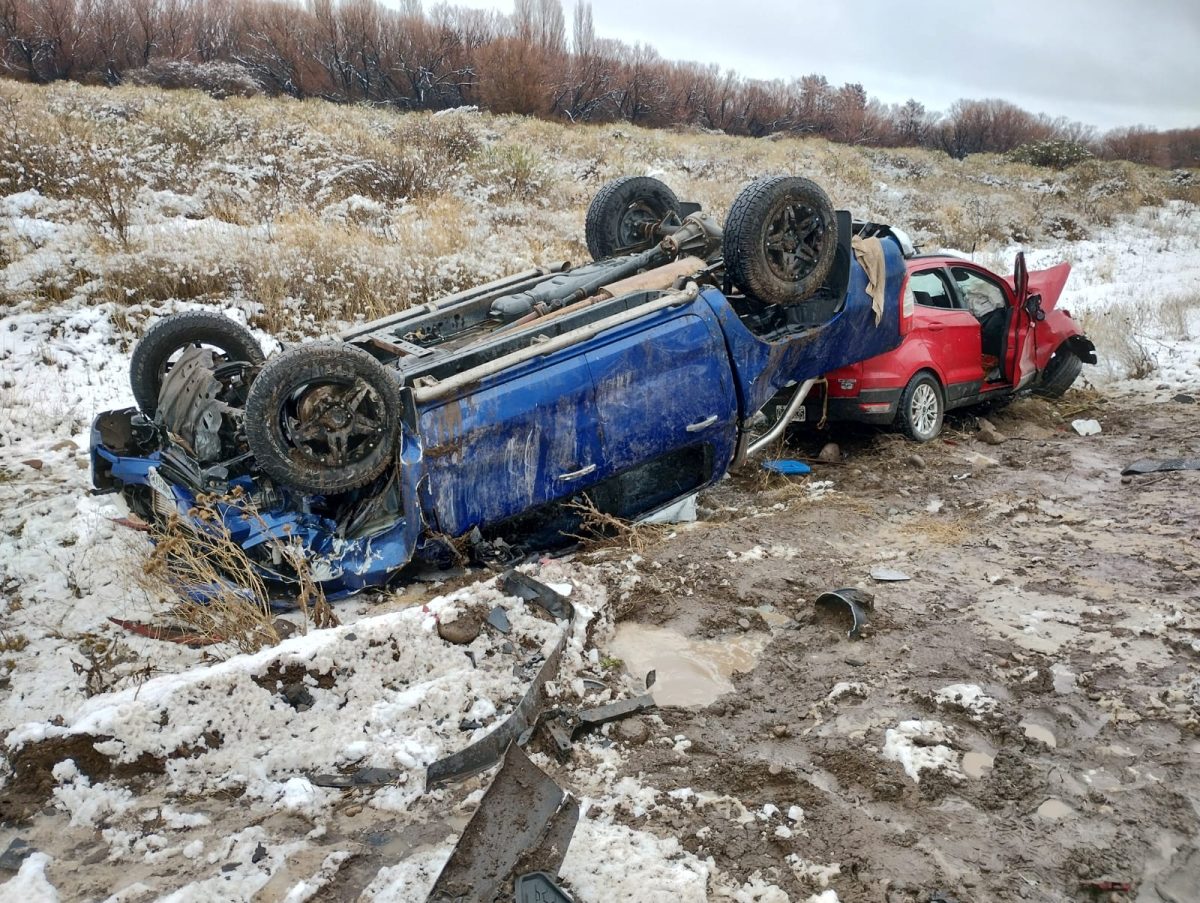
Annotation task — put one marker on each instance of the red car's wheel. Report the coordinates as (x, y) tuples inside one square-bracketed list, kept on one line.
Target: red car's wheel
[(922, 407)]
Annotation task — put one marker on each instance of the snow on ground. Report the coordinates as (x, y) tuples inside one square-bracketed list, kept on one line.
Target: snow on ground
[(385, 691), (919, 745)]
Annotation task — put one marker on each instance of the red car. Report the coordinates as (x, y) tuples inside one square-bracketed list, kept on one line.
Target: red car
[(970, 337)]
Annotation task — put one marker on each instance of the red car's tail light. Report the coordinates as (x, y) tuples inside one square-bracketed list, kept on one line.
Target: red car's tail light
[(907, 307)]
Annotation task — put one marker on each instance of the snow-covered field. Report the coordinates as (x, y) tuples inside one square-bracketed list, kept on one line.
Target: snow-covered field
[(232, 756)]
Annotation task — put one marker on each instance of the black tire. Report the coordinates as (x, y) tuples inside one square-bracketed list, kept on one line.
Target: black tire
[(922, 407), (153, 353), (1060, 373), (621, 209), (306, 422), (781, 239)]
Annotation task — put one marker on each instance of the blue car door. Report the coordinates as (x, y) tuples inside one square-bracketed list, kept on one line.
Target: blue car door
[(664, 386), (517, 441)]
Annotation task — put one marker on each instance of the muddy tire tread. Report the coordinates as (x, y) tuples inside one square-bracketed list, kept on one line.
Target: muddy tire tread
[(611, 200), (742, 246), (172, 333), (285, 373)]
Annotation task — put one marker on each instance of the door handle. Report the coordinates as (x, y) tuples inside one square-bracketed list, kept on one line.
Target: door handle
[(935, 327), (702, 424), (576, 474)]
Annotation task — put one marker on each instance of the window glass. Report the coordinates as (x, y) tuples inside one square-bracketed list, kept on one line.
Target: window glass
[(982, 296), (928, 290)]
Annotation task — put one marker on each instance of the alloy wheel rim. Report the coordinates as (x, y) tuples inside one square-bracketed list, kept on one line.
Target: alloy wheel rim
[(924, 409)]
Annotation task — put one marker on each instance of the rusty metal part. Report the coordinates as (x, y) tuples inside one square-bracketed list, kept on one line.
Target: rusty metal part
[(698, 235), (857, 600), (660, 278), (523, 824)]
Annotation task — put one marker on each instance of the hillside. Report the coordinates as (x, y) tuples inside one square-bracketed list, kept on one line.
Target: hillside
[(1023, 717)]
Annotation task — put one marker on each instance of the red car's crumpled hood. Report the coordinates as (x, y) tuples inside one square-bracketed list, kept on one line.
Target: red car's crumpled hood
[(1048, 283)]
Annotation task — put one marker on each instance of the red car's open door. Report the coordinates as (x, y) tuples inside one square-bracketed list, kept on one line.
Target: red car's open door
[(1021, 365)]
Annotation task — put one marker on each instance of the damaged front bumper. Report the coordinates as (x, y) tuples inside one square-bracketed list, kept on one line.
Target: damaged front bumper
[(347, 544)]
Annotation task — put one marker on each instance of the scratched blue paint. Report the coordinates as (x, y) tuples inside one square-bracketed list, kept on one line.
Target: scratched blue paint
[(546, 428)]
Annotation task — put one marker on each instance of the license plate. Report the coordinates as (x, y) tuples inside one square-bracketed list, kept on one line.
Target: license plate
[(800, 414), (159, 485)]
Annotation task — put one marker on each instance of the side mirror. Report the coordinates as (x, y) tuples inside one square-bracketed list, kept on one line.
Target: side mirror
[(1033, 307)]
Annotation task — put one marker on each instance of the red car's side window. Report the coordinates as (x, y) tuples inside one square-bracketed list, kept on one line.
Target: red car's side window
[(980, 294), (928, 290)]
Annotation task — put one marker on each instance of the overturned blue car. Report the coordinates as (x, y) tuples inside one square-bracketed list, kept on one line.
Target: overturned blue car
[(623, 386)]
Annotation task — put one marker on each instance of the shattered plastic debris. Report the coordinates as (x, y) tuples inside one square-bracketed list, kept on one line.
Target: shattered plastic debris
[(889, 575), (1086, 427), (787, 467)]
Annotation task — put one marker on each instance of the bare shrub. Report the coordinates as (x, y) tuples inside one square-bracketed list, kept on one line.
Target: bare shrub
[(598, 526), (1175, 313), (516, 170), (108, 189), (1053, 153), (1121, 336), (216, 78)]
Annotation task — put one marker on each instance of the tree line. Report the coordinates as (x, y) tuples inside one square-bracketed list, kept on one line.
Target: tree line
[(530, 62)]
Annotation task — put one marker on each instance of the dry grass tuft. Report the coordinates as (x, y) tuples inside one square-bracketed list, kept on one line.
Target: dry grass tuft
[(598, 528), (1122, 335), (224, 598), (942, 530)]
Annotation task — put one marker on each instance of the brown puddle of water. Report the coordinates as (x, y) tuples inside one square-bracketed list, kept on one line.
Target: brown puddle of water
[(974, 764), (1039, 733), (1055, 809), (689, 672)]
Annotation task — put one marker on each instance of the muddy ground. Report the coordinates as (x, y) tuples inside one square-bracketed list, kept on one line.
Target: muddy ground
[(1068, 594)]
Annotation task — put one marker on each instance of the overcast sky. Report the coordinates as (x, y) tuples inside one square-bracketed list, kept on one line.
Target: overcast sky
[(1103, 62)]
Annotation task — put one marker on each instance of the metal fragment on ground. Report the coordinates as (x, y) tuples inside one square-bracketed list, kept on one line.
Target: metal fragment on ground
[(363, 777), (498, 618), (857, 600), (1150, 465), (889, 575), (485, 753), (564, 727), (622, 708), (530, 590), (524, 824)]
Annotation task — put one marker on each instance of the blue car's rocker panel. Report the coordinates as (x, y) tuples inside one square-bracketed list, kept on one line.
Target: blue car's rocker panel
[(623, 385)]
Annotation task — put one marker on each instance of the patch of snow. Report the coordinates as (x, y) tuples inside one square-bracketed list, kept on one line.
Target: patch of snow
[(969, 696), (920, 745), (30, 884)]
